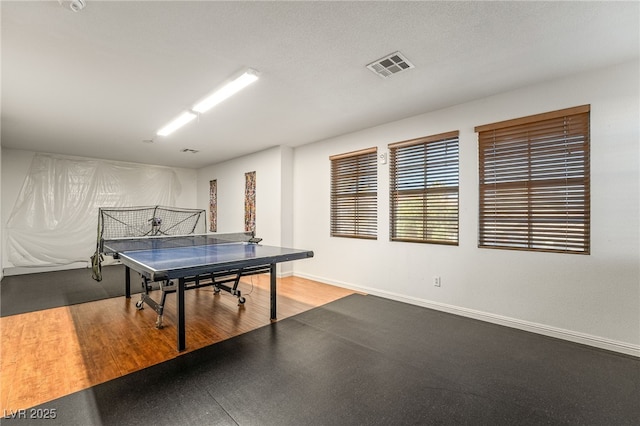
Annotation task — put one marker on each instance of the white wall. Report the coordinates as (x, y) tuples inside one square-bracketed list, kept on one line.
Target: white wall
[(15, 166), (286, 193), (1, 222), (273, 169), (231, 185), (592, 299)]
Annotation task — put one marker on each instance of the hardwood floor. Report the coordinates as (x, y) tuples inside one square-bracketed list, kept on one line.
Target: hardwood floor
[(48, 354)]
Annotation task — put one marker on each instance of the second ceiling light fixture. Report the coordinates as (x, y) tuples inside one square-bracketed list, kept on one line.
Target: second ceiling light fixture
[(234, 86)]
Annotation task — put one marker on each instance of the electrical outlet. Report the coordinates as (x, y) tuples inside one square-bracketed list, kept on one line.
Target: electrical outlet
[(436, 281)]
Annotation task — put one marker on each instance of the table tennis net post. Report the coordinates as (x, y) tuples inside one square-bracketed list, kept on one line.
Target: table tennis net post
[(144, 221)]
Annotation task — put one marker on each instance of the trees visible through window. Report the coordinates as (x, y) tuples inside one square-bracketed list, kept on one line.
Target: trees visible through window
[(534, 182), (424, 189)]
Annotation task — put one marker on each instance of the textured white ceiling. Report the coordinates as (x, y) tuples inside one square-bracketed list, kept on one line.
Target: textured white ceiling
[(98, 82)]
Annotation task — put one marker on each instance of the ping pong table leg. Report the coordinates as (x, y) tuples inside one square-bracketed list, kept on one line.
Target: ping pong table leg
[(181, 327), (272, 277), (127, 282)]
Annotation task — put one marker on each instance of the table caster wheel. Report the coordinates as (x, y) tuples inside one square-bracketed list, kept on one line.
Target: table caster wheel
[(140, 304), (241, 300)]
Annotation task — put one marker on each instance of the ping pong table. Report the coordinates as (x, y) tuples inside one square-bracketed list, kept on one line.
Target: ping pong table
[(180, 263)]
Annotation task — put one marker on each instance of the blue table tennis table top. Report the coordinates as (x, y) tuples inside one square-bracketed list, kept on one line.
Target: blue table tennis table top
[(172, 258)]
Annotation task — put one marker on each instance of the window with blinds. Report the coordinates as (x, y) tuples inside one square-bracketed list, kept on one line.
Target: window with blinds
[(424, 189), (534, 182), (354, 194)]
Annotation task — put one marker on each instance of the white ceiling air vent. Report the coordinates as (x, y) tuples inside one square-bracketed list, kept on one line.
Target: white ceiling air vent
[(390, 65)]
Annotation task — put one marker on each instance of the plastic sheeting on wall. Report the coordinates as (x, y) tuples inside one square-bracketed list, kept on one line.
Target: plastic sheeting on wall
[(55, 218)]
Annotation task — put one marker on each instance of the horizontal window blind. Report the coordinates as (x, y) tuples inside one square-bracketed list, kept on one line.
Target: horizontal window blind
[(354, 194), (424, 189), (534, 183)]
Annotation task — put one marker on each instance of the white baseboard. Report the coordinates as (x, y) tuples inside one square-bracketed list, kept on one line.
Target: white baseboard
[(559, 333)]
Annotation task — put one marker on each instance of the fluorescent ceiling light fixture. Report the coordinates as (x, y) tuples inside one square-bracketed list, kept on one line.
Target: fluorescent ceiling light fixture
[(229, 89), (183, 119), (226, 91)]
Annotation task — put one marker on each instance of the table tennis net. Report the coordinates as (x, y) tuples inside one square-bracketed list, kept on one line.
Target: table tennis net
[(146, 221), (167, 242)]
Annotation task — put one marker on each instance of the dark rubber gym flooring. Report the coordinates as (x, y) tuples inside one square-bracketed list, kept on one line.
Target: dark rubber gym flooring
[(34, 292), (364, 360)]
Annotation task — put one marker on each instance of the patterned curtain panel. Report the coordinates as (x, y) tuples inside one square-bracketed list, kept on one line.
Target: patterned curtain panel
[(213, 205), (250, 202)]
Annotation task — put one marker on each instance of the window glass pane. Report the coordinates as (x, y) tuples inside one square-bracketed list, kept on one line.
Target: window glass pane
[(424, 190)]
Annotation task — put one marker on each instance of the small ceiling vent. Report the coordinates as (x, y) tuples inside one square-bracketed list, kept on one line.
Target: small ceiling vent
[(192, 151), (390, 65)]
